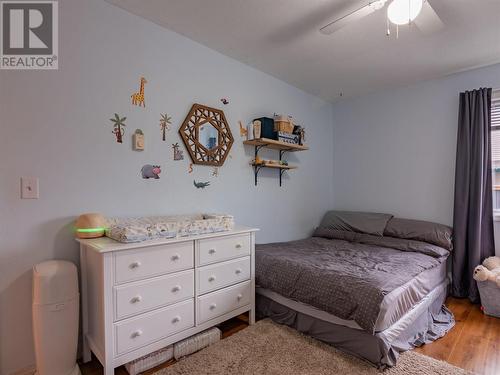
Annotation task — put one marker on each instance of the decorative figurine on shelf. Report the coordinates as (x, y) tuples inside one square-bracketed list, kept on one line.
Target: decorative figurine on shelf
[(258, 161), (301, 132), (118, 124), (151, 171), (138, 97), (178, 154), (165, 122), (201, 185)]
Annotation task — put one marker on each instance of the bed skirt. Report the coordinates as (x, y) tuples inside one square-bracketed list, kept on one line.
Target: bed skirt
[(420, 326)]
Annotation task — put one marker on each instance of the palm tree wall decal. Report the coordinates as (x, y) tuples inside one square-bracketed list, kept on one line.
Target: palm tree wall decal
[(165, 122), (118, 124)]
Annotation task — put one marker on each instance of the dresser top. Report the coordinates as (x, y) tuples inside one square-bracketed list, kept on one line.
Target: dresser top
[(106, 244)]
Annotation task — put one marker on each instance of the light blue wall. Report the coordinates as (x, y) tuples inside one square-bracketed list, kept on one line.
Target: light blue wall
[(55, 125), (394, 151)]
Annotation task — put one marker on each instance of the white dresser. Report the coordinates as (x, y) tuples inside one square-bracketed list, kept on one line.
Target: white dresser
[(141, 297)]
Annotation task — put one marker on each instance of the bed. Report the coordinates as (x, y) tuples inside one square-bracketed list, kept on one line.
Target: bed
[(370, 284)]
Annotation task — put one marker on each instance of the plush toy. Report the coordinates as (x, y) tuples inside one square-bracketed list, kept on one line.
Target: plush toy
[(490, 270)]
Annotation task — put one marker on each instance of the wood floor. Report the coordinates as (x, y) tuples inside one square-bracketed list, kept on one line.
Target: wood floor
[(473, 344)]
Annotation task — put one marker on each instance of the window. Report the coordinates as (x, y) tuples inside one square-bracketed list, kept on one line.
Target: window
[(495, 149)]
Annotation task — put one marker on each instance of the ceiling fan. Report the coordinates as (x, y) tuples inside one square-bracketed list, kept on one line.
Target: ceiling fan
[(399, 12)]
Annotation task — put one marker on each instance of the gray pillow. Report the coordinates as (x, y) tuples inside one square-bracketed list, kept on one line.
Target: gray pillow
[(360, 222), (433, 233)]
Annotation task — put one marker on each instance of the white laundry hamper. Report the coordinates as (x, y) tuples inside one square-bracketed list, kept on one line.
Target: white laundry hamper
[(55, 317)]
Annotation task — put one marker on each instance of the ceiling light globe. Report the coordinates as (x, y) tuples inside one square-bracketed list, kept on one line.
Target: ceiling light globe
[(402, 12)]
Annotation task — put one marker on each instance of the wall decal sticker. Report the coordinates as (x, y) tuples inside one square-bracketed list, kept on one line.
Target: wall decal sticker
[(224, 101), (118, 124), (215, 172), (243, 130), (190, 168), (178, 154), (165, 122), (138, 97), (201, 185), (138, 140), (151, 171)]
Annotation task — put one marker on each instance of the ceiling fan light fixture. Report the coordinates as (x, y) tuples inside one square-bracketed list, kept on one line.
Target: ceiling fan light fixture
[(403, 12)]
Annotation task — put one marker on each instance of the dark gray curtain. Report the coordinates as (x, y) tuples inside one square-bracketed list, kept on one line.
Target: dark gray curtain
[(473, 211)]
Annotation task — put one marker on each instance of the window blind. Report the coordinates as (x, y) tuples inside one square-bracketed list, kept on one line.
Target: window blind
[(495, 110)]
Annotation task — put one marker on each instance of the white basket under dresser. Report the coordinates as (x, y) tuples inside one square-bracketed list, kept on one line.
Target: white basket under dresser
[(141, 297)]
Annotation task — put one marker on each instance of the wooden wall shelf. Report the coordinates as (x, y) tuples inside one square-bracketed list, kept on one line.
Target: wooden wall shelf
[(275, 145)]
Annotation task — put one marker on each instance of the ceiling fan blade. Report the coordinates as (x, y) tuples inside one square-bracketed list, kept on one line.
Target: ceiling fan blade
[(355, 15), (428, 21)]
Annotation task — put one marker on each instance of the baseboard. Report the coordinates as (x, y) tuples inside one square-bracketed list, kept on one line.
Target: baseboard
[(30, 370)]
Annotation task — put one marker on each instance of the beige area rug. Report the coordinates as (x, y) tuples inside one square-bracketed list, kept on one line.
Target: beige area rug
[(269, 348)]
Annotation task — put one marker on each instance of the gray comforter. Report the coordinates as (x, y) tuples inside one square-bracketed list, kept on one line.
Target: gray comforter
[(346, 274)]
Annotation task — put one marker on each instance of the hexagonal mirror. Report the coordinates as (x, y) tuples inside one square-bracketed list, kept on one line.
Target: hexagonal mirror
[(207, 135)]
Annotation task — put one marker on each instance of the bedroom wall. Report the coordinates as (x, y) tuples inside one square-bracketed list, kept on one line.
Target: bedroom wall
[(394, 151), (55, 126)]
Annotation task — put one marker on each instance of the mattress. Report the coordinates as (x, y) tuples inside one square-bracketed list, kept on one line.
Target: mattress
[(427, 321), (372, 285), (393, 307)]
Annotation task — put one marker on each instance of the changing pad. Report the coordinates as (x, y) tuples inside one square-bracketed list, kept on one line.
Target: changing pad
[(139, 229)]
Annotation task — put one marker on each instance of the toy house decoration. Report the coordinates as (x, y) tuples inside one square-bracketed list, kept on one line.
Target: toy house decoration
[(206, 135), (138, 140)]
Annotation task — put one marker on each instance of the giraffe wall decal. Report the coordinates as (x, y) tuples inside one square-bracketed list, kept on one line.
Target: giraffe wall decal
[(138, 97)]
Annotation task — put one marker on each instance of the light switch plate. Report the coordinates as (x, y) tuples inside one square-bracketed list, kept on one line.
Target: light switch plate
[(29, 188)]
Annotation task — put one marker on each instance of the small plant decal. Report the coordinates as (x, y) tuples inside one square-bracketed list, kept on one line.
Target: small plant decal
[(118, 124), (165, 122)]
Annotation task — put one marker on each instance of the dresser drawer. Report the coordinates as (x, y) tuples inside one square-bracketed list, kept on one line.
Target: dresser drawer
[(223, 301), (219, 275), (140, 296), (153, 261), (213, 250), (147, 328)]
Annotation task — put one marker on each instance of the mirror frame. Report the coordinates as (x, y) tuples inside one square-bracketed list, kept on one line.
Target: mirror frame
[(189, 131)]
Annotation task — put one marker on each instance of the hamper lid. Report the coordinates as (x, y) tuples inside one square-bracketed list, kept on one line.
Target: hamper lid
[(54, 281)]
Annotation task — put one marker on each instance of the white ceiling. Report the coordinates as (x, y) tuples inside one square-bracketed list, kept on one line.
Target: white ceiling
[(281, 37)]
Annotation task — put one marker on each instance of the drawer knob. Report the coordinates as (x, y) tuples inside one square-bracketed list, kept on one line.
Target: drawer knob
[(211, 251), (176, 257), (213, 306), (238, 246), (176, 319), (239, 296), (238, 271), (212, 278), (136, 299), (136, 334), (176, 288), (135, 265)]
